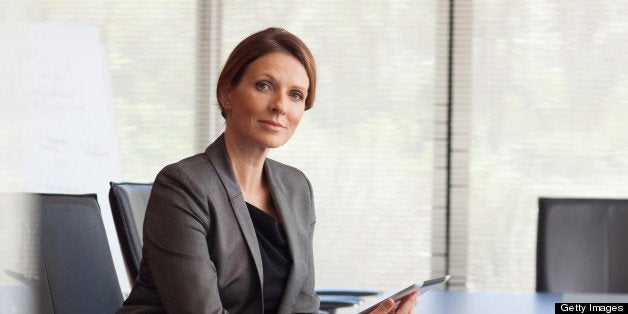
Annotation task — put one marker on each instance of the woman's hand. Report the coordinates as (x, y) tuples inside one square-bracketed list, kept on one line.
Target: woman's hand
[(406, 305)]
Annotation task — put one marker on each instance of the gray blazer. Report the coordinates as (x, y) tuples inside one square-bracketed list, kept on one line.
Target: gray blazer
[(200, 252)]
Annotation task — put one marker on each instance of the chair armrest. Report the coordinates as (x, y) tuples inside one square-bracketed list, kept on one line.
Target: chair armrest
[(347, 292), (331, 302)]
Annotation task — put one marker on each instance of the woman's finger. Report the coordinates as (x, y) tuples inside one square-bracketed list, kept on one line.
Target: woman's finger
[(408, 303), (384, 307)]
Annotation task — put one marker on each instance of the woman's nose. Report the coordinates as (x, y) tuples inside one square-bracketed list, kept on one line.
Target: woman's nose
[(279, 105)]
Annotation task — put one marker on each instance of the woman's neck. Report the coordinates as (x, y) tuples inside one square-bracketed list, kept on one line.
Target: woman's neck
[(248, 164)]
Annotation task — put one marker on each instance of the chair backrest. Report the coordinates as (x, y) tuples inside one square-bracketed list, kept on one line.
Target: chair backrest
[(77, 267), (128, 205), (582, 245)]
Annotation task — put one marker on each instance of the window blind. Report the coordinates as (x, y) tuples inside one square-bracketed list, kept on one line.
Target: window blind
[(452, 125), (549, 103)]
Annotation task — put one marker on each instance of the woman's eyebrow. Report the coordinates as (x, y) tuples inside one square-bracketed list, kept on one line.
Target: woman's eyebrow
[(273, 79)]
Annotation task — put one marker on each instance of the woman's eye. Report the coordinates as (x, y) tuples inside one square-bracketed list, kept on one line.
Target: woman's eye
[(262, 86), (296, 95)]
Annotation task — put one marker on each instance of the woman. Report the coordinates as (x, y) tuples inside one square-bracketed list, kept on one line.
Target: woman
[(229, 230)]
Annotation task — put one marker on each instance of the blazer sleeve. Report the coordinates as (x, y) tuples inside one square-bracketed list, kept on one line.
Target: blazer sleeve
[(176, 227)]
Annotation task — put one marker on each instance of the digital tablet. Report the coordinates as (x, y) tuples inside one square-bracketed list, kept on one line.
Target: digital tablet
[(422, 287)]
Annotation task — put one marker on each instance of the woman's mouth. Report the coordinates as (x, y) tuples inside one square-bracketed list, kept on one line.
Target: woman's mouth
[(273, 125)]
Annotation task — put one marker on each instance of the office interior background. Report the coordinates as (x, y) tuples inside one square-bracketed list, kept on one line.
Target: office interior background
[(437, 124)]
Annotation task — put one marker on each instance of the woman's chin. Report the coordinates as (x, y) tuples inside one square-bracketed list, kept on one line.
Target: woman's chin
[(275, 143)]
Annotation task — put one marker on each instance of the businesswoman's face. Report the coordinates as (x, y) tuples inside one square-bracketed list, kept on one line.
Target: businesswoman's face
[(266, 106)]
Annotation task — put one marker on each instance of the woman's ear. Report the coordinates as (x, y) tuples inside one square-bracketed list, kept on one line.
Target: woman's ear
[(224, 97)]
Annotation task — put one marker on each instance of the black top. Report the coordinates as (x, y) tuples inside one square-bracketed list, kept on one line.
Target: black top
[(276, 259)]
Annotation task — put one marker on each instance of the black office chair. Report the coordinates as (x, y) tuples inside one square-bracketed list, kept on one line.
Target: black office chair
[(77, 272), (582, 245), (128, 205)]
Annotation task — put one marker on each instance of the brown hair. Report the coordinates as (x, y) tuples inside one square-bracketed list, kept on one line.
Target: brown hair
[(262, 43)]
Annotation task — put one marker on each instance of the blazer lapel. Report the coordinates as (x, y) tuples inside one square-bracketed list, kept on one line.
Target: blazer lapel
[(217, 154), (286, 213), (218, 157)]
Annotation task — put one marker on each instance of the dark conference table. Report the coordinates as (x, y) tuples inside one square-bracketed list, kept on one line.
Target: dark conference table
[(458, 302)]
